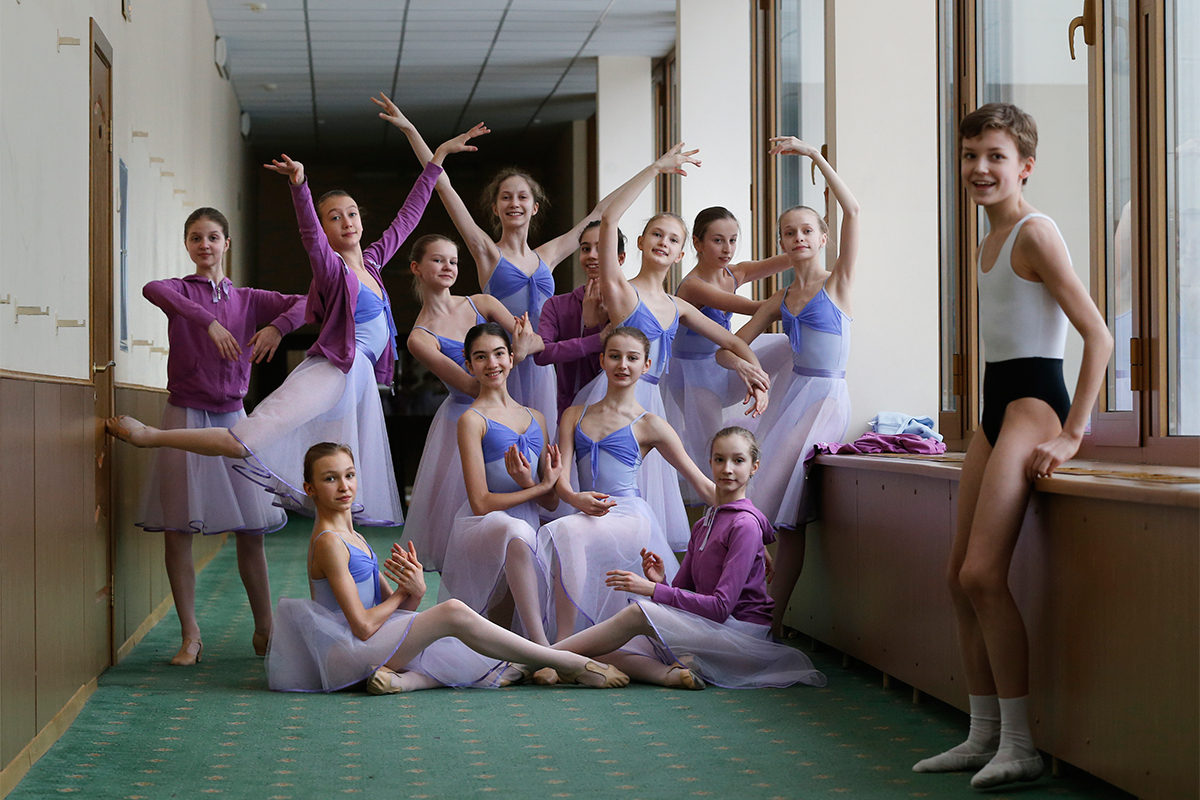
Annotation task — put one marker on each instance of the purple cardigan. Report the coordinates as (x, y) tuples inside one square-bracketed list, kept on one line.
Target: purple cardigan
[(569, 345), (197, 376), (333, 294), (724, 572)]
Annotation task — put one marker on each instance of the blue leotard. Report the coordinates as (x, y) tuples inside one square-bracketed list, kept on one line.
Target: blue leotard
[(453, 349), (497, 438), (661, 339), (521, 293), (610, 465)]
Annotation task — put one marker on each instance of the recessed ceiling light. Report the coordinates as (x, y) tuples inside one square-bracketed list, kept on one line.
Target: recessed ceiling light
[(257, 8), (270, 87)]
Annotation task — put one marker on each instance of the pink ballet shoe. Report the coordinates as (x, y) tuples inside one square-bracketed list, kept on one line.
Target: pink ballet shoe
[(688, 679), (260, 642), (384, 681), (613, 677), (189, 653)]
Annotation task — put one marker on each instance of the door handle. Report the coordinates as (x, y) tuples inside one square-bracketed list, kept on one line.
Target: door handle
[(98, 368)]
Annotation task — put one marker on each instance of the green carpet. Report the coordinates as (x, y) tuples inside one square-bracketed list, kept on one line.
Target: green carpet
[(156, 731)]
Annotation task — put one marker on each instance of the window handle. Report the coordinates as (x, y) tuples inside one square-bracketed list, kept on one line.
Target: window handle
[(1088, 22)]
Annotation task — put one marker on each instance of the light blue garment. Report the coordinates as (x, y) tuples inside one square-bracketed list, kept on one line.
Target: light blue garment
[(610, 465), (893, 422)]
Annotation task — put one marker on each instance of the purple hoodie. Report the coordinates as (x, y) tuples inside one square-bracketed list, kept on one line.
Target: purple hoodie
[(724, 573), (333, 295)]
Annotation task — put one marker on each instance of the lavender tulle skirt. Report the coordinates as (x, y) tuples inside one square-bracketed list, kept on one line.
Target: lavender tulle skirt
[(478, 557), (320, 403), (579, 549), (732, 654), (438, 488), (202, 494), (803, 411), (658, 482), (313, 650), (701, 397)]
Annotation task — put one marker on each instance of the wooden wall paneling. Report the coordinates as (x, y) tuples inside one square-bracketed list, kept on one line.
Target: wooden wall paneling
[(123, 552), (946, 681), (18, 665), (825, 599), (51, 584)]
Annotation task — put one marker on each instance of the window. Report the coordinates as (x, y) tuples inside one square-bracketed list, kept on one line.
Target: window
[(1126, 210)]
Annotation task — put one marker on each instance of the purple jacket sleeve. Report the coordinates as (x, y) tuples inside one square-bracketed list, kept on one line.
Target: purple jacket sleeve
[(168, 295), (743, 545), (559, 347), (284, 311), (409, 215), (326, 264)]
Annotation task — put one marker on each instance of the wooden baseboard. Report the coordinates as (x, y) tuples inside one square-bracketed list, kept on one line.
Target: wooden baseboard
[(16, 769)]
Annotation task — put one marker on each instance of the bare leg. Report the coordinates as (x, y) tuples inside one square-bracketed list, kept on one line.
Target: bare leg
[(181, 573), (522, 576), (789, 563), (252, 566), (454, 618), (565, 612), (202, 441)]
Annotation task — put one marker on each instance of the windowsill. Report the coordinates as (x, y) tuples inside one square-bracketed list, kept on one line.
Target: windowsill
[(1133, 483)]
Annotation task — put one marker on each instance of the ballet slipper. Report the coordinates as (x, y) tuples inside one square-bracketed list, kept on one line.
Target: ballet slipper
[(260, 642), (546, 676), (189, 653), (688, 678), (951, 761), (523, 674), (122, 428), (613, 677), (384, 681), (998, 773)]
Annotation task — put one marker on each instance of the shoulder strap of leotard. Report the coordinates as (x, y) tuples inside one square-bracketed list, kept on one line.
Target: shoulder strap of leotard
[(314, 541), (473, 308), (729, 272)]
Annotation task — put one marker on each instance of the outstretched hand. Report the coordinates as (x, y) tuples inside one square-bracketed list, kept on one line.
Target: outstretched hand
[(459, 143), (756, 399), (622, 581), (652, 566), (264, 343), (391, 113), (294, 170), (791, 146), (226, 342), (672, 161)]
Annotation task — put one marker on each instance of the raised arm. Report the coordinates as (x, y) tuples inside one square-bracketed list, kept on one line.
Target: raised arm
[(327, 266), (749, 271), (619, 296), (735, 355), (699, 293), (471, 429), (1040, 249), (841, 278), (654, 432), (483, 250), (424, 347)]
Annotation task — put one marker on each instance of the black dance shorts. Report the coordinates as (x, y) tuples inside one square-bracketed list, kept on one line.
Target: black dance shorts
[(1006, 381)]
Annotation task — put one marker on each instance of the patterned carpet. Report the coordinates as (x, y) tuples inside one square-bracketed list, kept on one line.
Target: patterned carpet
[(156, 731)]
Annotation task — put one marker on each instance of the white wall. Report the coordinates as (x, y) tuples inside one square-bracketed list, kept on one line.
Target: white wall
[(713, 53), (625, 136), (165, 84), (886, 149)]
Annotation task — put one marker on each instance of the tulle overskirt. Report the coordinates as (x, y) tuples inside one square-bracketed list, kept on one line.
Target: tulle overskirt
[(202, 494), (438, 488)]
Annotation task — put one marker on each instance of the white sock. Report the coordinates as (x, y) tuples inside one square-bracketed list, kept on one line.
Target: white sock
[(1016, 758), (981, 743)]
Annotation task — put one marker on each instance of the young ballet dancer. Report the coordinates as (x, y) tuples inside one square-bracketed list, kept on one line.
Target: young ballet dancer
[(811, 402), (608, 441), (571, 323), (510, 269), (509, 472), (436, 341), (641, 303), (1028, 292), (700, 395), (712, 622), (208, 372), (332, 395), (356, 627)]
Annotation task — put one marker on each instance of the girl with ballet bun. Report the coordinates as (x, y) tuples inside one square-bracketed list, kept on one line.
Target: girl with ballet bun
[(640, 302), (509, 268), (357, 627), (700, 395), (509, 472), (436, 340), (609, 441), (332, 395), (208, 372), (712, 621), (811, 403)]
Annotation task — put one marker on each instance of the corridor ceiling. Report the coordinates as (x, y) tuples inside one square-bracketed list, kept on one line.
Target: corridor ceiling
[(304, 69)]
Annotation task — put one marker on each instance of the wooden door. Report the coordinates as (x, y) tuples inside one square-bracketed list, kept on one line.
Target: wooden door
[(99, 552)]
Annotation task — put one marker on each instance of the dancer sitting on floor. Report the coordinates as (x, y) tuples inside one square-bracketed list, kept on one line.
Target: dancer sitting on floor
[(356, 627), (712, 622), (1028, 291)]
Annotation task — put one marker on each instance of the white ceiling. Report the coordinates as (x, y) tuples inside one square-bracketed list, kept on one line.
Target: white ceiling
[(304, 69)]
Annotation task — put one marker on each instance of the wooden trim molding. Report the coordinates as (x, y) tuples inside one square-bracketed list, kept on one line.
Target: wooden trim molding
[(35, 377), (16, 769)]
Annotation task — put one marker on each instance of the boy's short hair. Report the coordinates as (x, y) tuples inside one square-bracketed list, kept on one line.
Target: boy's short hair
[(1002, 117)]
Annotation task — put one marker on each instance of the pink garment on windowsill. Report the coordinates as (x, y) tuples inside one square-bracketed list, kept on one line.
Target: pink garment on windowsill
[(870, 443)]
